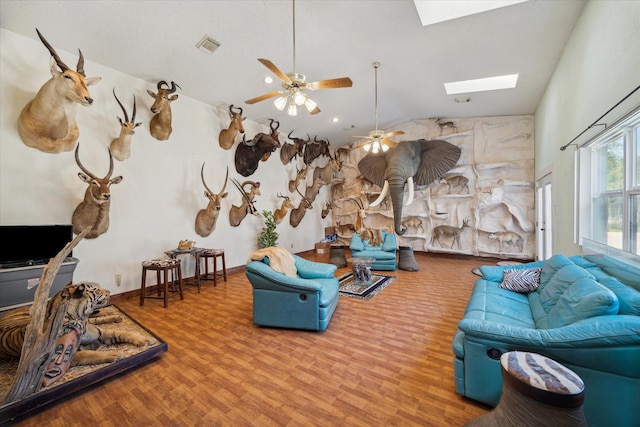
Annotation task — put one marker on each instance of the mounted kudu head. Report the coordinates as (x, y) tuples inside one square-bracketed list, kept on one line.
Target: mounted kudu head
[(48, 121)]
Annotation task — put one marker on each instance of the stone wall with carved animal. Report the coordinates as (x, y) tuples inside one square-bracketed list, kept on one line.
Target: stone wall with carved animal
[(483, 205)]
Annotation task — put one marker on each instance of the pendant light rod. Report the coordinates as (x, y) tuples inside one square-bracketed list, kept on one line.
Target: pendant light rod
[(294, 36), (375, 67)]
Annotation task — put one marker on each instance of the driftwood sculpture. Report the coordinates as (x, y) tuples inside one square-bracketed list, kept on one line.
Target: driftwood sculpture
[(94, 209), (281, 212), (228, 136), (160, 125), (289, 152), (48, 121), (238, 213), (206, 218), (250, 153), (449, 231), (121, 146), (43, 331)]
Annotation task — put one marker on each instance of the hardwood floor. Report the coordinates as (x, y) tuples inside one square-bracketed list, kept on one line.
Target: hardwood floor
[(383, 362)]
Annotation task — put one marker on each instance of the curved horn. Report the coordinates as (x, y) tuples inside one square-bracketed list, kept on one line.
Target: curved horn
[(226, 178), (203, 182), (239, 109), (82, 168), (173, 87), (283, 197), (80, 66), (53, 52), (358, 202), (383, 194), (308, 138), (126, 117), (110, 165), (133, 117), (289, 135), (160, 83), (251, 183), (271, 122)]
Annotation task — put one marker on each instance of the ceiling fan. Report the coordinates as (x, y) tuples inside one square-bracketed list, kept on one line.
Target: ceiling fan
[(377, 139), (294, 84)]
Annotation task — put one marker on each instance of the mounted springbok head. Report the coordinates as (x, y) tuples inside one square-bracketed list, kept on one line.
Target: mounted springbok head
[(301, 175), (160, 125), (289, 152), (326, 210), (121, 146), (250, 153), (298, 213), (238, 213), (48, 121), (316, 149), (94, 209), (281, 212), (206, 218), (228, 136)]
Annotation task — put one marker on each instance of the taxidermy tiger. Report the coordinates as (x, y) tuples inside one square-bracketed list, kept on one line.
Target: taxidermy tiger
[(79, 331)]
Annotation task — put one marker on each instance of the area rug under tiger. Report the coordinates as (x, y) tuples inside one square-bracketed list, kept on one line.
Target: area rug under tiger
[(81, 339)]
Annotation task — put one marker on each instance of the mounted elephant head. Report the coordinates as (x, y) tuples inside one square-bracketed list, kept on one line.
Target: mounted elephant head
[(420, 161)]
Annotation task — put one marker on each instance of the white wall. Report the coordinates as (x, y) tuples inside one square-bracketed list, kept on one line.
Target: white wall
[(156, 204), (599, 66)]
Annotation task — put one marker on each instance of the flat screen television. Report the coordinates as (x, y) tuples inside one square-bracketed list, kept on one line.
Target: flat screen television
[(23, 245)]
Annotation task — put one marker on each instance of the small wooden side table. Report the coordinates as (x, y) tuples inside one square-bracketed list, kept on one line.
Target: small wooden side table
[(195, 252)]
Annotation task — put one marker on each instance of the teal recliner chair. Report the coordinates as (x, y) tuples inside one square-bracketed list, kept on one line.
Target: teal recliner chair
[(304, 302), (384, 254)]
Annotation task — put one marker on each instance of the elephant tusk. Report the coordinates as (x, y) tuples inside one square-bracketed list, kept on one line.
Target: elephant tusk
[(383, 194), (410, 185)]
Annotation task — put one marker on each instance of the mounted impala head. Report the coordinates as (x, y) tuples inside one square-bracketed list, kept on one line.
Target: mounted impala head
[(121, 146), (94, 209), (281, 212), (160, 125), (301, 175), (227, 136), (48, 122), (206, 218)]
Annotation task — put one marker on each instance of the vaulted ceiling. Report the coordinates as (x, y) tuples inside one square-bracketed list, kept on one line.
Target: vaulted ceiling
[(156, 40)]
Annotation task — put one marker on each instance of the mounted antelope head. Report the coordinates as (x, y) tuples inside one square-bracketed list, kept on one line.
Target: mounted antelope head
[(206, 218), (289, 151), (281, 212), (238, 213), (319, 147), (301, 175), (298, 213), (121, 146), (250, 153), (326, 172), (160, 125), (312, 191), (94, 209), (48, 121), (362, 214), (227, 136)]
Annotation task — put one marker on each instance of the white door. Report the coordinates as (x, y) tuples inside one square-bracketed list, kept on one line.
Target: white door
[(544, 211)]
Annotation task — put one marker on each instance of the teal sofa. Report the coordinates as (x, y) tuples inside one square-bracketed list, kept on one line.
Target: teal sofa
[(304, 302), (585, 314), (384, 255)]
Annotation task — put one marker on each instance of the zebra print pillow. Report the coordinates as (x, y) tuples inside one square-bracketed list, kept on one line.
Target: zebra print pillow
[(523, 280)]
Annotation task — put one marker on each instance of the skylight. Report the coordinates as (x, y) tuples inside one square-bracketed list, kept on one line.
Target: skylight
[(434, 11), (480, 85)]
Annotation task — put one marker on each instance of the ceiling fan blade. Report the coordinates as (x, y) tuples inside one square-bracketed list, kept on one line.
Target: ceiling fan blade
[(275, 70), (390, 143), (362, 144), (262, 97), (330, 84), (394, 133)]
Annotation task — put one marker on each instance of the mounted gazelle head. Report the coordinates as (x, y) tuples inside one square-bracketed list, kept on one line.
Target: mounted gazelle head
[(94, 209), (160, 126), (206, 218), (121, 146), (48, 121)]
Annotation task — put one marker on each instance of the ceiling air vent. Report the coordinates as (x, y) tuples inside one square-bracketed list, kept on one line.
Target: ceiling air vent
[(208, 45)]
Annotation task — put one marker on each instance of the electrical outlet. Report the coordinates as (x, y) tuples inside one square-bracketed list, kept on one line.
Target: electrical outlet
[(292, 246), (118, 279)]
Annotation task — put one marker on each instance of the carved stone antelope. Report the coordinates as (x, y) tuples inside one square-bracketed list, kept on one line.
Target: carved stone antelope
[(413, 222), (343, 229), (449, 231), (459, 181), (206, 218), (281, 212), (444, 125), (121, 146), (513, 239), (297, 214), (289, 152), (48, 121), (160, 125), (94, 209), (326, 210), (228, 136), (301, 175), (238, 213)]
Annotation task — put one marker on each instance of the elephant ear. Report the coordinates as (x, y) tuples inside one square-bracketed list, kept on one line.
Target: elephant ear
[(437, 158), (373, 167)]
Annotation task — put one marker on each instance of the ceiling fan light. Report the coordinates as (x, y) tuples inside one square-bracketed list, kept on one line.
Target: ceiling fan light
[(385, 148), (292, 110), (280, 102), (366, 147), (309, 104), (299, 98)]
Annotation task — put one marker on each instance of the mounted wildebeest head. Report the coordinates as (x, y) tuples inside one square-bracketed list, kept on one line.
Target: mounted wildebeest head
[(316, 149), (160, 125), (289, 152), (249, 153), (48, 121)]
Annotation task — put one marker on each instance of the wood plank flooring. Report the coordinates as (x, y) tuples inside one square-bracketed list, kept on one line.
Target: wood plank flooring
[(383, 362)]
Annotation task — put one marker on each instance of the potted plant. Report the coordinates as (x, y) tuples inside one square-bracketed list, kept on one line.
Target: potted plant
[(268, 236)]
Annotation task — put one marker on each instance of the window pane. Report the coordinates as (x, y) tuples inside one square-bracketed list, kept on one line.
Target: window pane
[(615, 164), (637, 181), (634, 232), (607, 215)]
